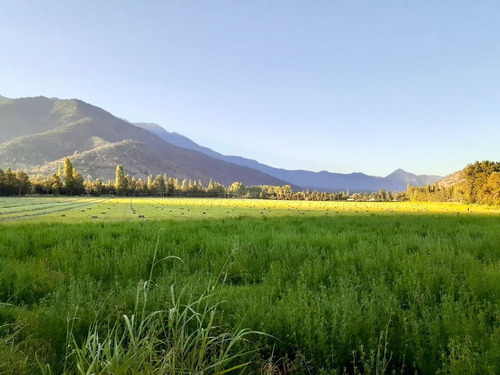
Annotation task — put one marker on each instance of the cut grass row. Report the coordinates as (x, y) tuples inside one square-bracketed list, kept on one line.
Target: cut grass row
[(45, 210), (69, 210)]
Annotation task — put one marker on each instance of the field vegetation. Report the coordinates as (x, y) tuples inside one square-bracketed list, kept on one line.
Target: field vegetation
[(132, 285), (78, 209)]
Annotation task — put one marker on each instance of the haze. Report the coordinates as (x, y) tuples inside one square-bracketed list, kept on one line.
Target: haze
[(338, 86)]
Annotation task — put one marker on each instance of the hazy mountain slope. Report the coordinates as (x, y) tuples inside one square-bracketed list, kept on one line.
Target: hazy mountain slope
[(452, 179), (177, 139), (324, 181), (25, 116), (38, 133), (141, 160), (400, 177), (97, 141), (101, 161), (4, 100), (396, 181)]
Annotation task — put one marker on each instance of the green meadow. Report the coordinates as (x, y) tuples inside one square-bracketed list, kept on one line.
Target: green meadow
[(212, 286)]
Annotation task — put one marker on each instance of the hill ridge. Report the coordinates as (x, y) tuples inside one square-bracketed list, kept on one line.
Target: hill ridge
[(38, 131), (323, 180), (51, 129)]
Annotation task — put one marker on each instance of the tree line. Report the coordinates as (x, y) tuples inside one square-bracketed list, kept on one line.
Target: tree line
[(481, 184), (67, 181)]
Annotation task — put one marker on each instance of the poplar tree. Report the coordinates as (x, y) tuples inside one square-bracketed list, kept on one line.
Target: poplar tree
[(69, 179), (184, 185), (120, 181), (149, 183)]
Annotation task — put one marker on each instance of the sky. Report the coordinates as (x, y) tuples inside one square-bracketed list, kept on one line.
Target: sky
[(344, 86)]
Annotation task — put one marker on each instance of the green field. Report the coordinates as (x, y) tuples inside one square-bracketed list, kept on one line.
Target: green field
[(71, 210), (321, 287)]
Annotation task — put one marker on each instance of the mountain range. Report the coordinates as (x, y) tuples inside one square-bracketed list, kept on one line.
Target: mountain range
[(321, 181), (38, 133)]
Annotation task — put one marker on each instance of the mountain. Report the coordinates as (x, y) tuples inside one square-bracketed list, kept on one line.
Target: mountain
[(4, 100), (452, 179), (400, 176), (25, 116), (322, 181), (178, 139), (38, 133)]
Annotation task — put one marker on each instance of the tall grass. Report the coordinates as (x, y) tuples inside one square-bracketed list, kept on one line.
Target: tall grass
[(371, 294), (12, 358), (184, 339)]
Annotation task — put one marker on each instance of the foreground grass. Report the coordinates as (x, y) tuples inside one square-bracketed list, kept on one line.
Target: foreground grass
[(356, 293)]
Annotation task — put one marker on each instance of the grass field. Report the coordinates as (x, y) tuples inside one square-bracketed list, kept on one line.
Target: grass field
[(322, 287), (70, 210)]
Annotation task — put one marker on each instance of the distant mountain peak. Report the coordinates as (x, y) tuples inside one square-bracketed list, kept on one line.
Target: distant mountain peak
[(400, 173), (403, 176)]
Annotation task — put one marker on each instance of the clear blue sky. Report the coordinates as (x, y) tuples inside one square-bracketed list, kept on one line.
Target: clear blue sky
[(342, 86)]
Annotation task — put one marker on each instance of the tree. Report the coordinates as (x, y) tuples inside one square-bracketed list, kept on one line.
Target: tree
[(237, 189), (9, 183), (120, 181), (2, 182), (41, 185), (131, 184), (476, 176), (69, 180), (140, 187), (357, 197), (68, 170), (286, 191), (490, 191), (177, 186), (184, 185), (171, 186), (78, 187), (215, 189), (159, 183), (23, 184), (56, 183), (93, 187), (382, 195), (149, 184)]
